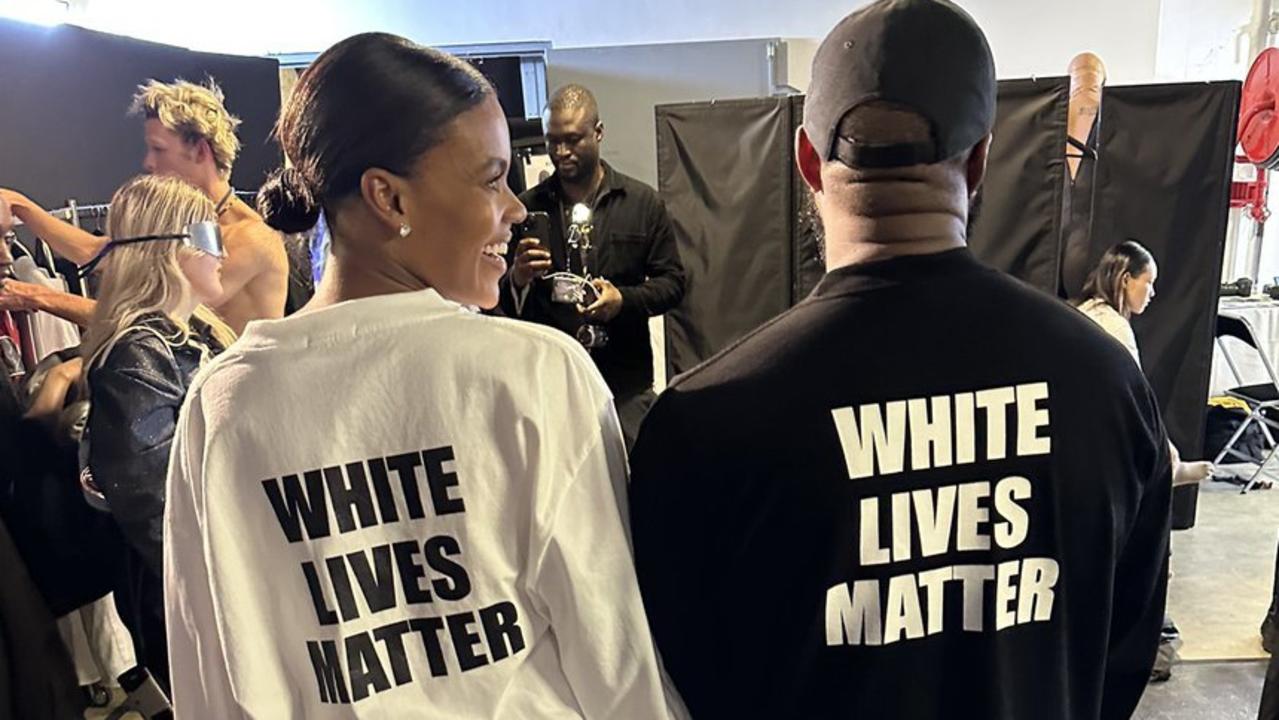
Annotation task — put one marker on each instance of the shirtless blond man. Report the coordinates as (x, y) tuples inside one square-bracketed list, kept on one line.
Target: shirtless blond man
[(189, 134)]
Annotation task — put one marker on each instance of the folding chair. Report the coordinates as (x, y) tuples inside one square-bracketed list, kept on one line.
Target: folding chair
[(1259, 398)]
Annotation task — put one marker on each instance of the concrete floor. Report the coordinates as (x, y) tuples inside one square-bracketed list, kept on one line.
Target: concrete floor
[(1223, 569), (1206, 691)]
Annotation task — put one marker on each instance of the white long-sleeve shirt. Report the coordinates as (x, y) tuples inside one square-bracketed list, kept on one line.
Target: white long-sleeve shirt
[(394, 507), (1115, 325)]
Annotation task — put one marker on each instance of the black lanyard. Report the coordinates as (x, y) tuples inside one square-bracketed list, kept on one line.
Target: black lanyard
[(222, 203)]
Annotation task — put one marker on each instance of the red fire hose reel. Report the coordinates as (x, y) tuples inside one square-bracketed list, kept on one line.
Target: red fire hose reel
[(1258, 133)]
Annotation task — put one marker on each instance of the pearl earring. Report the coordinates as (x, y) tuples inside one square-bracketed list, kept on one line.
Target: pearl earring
[(405, 230)]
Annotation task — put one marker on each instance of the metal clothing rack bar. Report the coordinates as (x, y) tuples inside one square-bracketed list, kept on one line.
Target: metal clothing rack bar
[(74, 213)]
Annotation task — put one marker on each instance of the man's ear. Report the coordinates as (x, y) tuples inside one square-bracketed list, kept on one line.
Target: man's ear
[(203, 150), (809, 162), (976, 166)]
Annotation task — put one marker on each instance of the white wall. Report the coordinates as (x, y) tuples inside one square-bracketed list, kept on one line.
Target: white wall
[(1208, 41), (1028, 36), (1201, 40), (1039, 37), (631, 81)]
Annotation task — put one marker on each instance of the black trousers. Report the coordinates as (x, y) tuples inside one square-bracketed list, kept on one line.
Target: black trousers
[(1270, 692), (1269, 629), (140, 601), (631, 410)]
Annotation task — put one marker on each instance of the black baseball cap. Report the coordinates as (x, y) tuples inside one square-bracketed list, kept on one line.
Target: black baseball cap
[(926, 55)]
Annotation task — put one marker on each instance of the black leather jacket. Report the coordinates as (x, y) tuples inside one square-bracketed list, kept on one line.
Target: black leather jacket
[(135, 395)]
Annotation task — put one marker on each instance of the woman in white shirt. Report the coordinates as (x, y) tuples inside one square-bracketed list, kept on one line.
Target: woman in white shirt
[(388, 505), (1121, 286)]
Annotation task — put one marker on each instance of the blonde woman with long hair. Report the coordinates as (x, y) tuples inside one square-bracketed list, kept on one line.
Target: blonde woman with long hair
[(140, 354)]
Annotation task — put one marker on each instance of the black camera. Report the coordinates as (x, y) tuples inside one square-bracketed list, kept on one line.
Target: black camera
[(592, 336), (1239, 288)]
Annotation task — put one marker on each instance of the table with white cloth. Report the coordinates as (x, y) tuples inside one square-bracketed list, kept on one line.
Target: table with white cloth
[(1262, 314)]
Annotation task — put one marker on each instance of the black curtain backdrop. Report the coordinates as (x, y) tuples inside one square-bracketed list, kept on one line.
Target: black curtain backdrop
[(725, 173), (63, 128), (749, 237), (1166, 154), (1019, 221)]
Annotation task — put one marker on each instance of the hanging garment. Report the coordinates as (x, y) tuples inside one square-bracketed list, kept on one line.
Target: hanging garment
[(49, 334), (100, 645), (10, 348), (71, 550), (319, 243)]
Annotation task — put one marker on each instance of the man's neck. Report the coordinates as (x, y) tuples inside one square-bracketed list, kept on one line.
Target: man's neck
[(584, 189), (216, 188), (857, 240)]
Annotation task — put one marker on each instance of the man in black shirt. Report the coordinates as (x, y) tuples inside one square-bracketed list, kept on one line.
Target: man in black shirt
[(633, 260), (927, 490)]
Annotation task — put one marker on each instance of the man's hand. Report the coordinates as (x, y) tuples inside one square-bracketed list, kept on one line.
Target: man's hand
[(47, 405), (18, 295), (65, 239), (14, 199), (607, 306), (6, 216), (532, 261), (69, 371)]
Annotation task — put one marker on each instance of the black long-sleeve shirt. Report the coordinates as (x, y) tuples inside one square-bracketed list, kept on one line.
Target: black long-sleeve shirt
[(925, 491), (633, 246)]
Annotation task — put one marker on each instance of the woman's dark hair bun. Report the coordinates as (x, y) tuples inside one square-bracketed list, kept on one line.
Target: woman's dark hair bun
[(371, 101), (287, 202)]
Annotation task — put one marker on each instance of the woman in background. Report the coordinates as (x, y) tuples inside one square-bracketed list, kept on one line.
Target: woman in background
[(163, 262), (1121, 286)]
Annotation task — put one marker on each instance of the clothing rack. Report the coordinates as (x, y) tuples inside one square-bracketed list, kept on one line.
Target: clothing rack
[(74, 213)]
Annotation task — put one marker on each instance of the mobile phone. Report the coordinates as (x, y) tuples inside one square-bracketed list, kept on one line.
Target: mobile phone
[(536, 225)]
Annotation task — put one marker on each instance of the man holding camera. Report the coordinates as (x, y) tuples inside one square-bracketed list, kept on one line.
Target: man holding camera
[(608, 229)]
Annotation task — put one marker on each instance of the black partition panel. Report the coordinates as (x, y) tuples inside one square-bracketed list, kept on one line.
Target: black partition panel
[(725, 173), (754, 255), (1018, 223), (1166, 154), (64, 132), (748, 234)]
